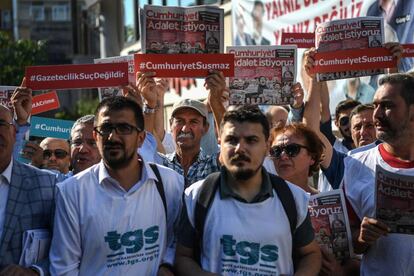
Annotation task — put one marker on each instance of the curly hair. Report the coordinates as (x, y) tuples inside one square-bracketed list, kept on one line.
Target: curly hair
[(314, 145)]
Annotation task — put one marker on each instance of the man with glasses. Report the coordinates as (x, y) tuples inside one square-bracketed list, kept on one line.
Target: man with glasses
[(117, 217), (252, 221), (26, 203), (56, 154)]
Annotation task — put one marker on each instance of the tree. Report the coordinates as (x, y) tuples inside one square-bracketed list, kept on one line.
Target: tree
[(16, 55)]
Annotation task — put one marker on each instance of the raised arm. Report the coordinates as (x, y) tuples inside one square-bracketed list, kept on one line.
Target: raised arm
[(216, 87)]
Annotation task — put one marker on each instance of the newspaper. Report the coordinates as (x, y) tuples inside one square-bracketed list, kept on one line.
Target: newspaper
[(5, 95), (116, 91), (330, 222), (262, 75), (394, 200), (355, 33), (178, 30)]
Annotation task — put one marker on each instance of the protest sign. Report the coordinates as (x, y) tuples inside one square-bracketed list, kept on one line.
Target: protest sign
[(330, 222), (190, 65), (408, 50), (46, 127), (301, 40), (351, 62), (5, 95), (106, 92), (263, 75), (394, 200), (45, 102), (173, 30), (355, 33), (76, 76)]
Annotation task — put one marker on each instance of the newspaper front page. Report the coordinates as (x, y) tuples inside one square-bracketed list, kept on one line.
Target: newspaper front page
[(5, 96), (178, 30), (394, 199), (116, 91), (355, 33), (262, 75), (330, 223)]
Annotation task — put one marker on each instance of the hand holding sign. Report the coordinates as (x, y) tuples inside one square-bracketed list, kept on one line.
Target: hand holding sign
[(216, 85), (396, 50), (147, 87), (22, 102), (309, 62), (33, 152)]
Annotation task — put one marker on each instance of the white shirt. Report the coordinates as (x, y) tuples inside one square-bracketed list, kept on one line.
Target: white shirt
[(101, 229), (247, 238), (5, 179), (391, 254)]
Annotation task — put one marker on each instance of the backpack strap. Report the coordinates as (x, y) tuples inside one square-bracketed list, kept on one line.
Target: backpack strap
[(160, 187), (288, 201), (204, 201)]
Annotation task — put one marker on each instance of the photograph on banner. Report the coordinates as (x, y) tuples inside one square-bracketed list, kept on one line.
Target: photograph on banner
[(48, 127), (263, 75), (106, 92), (45, 102), (76, 76), (5, 95), (191, 65), (394, 200), (355, 33), (330, 222), (178, 30)]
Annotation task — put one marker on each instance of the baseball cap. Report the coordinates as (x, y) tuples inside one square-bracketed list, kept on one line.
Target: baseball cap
[(189, 103)]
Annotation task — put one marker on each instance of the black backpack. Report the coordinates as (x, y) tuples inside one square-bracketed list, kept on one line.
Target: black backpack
[(206, 196)]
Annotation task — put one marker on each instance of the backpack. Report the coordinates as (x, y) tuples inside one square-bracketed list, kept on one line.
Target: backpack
[(206, 197), (160, 187)]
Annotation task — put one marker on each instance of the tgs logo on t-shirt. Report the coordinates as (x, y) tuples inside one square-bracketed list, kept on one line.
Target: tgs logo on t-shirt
[(132, 241), (249, 253)]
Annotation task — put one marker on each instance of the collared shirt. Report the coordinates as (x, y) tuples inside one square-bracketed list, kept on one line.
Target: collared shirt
[(266, 189), (5, 179), (200, 169), (100, 228), (365, 93)]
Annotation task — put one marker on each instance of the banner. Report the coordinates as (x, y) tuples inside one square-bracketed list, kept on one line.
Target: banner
[(76, 76), (5, 95), (184, 65), (352, 60), (45, 102), (301, 40), (46, 127)]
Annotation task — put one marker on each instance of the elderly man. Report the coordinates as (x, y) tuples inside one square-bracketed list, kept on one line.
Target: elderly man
[(26, 201)]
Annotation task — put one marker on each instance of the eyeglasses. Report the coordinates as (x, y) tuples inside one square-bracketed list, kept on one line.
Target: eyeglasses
[(291, 150), (120, 129), (58, 153), (343, 121), (5, 124)]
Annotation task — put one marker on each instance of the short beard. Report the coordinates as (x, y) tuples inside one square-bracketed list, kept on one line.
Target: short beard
[(118, 163), (244, 174)]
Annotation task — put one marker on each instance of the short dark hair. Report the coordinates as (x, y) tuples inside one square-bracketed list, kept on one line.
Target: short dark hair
[(258, 3), (407, 85), (119, 103), (246, 113), (360, 108), (345, 105), (314, 145)]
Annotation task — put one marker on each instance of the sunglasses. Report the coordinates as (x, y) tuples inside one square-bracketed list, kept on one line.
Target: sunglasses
[(291, 150), (344, 121), (120, 129), (58, 153)]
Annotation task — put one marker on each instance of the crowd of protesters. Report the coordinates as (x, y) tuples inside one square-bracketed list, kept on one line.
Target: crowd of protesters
[(124, 196)]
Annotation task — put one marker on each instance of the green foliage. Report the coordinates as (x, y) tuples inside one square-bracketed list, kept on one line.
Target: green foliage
[(16, 55)]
